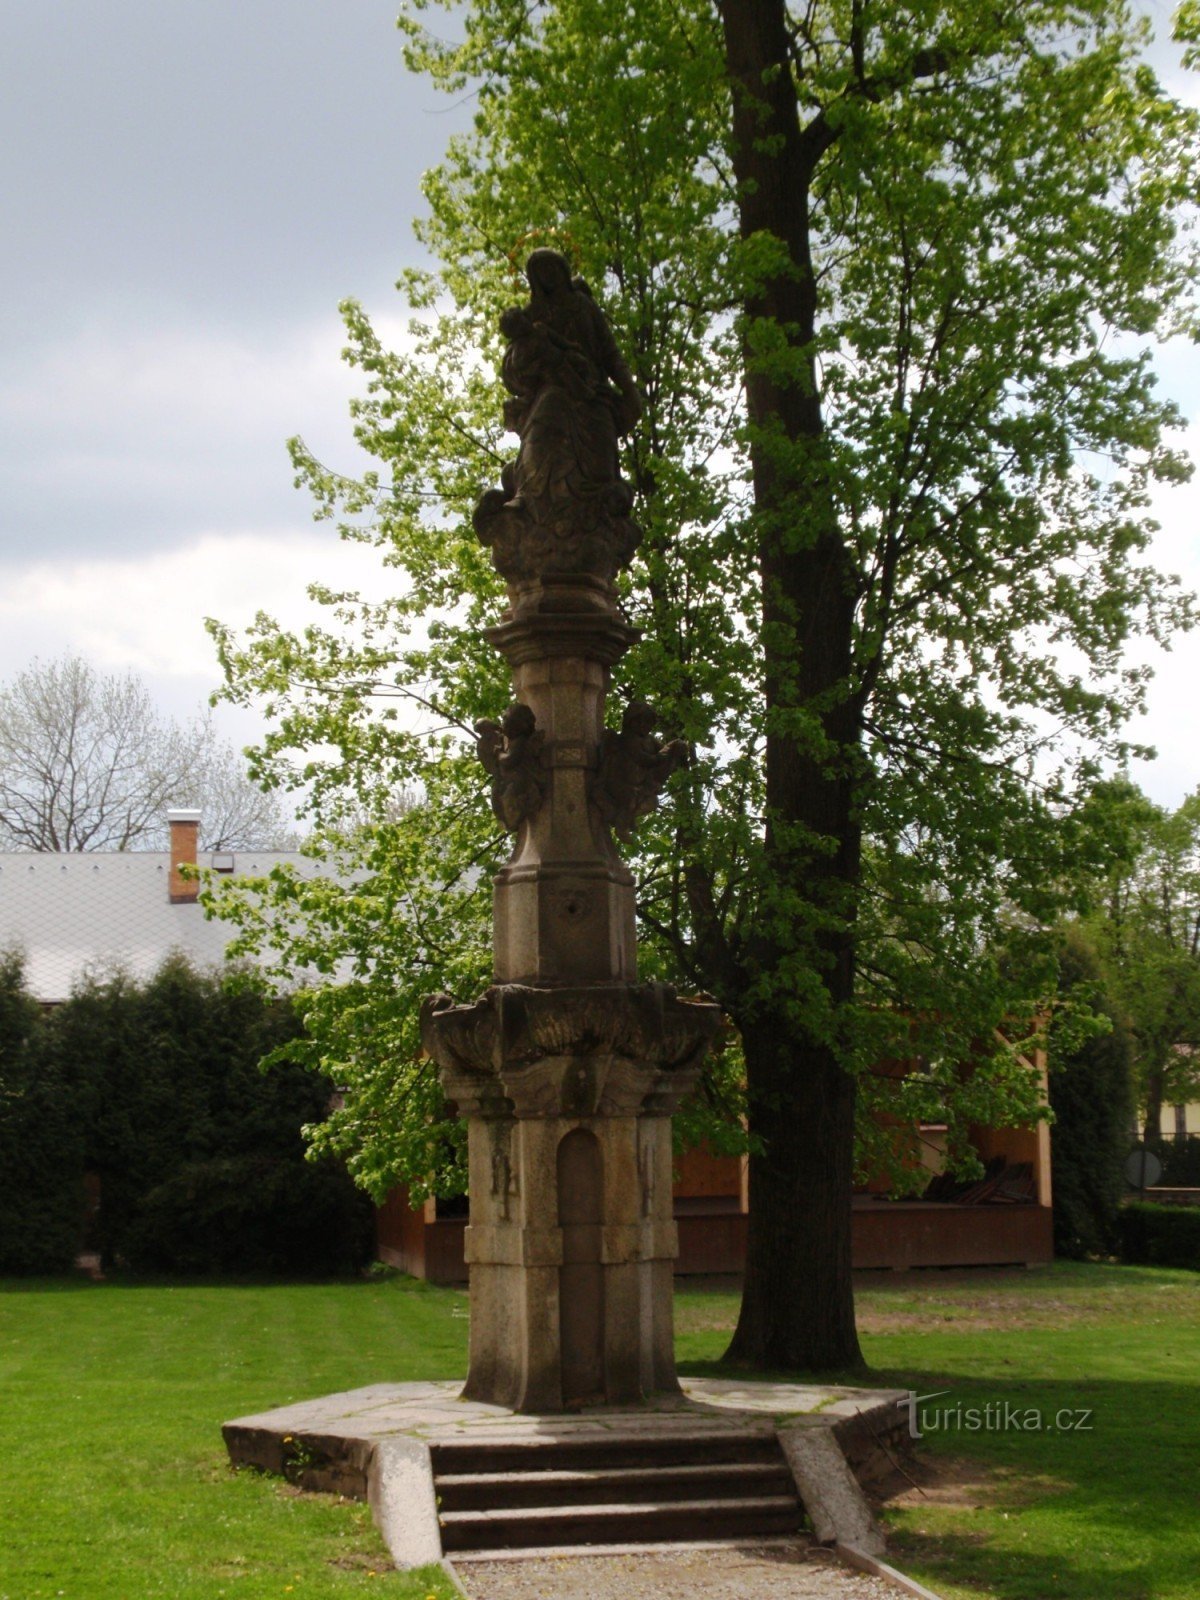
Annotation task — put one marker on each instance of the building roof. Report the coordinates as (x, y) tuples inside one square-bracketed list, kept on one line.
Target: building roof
[(73, 915)]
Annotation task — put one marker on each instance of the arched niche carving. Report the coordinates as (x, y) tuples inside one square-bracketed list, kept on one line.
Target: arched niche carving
[(581, 1276)]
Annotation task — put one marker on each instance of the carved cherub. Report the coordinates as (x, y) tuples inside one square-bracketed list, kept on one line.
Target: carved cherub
[(633, 768), (511, 753)]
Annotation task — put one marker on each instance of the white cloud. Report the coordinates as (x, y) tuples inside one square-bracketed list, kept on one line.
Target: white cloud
[(1173, 715), (145, 613)]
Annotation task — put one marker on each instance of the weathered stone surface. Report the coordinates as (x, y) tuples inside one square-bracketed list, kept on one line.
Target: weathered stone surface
[(603, 1050), (567, 1069), (570, 1251), (435, 1411), (403, 1503), (564, 903), (511, 753), (568, 1095), (831, 1494), (387, 1442)]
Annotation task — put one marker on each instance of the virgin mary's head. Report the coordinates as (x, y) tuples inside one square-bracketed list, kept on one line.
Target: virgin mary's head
[(548, 272)]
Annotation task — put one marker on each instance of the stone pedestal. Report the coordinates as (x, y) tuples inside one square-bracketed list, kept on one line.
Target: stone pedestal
[(568, 1070), (568, 1095)]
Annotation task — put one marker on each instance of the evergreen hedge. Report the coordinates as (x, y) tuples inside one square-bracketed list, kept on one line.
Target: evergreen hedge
[(41, 1139), (253, 1214), (157, 1089), (1181, 1162), (1091, 1094), (1160, 1236)]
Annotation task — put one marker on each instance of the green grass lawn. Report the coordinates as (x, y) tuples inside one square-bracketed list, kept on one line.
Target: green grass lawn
[(1109, 1513), (115, 1484)]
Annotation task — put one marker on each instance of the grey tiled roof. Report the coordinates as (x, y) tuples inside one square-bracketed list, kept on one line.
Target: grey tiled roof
[(74, 914)]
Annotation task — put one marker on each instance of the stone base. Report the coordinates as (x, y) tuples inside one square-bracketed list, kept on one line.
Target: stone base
[(380, 1443), (579, 1311)]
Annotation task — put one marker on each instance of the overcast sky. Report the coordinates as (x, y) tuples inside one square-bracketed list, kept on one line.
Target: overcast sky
[(188, 188)]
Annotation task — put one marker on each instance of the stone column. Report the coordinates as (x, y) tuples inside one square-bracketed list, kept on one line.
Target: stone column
[(564, 910), (567, 1069)]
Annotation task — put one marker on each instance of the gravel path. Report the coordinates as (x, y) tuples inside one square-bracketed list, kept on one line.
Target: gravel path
[(791, 1572)]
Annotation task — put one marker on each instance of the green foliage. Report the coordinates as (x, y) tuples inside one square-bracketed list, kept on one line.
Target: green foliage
[(1160, 1236), (252, 1214), (998, 232), (157, 1089), (171, 1075), (1091, 1095), (41, 1140), (1142, 917), (1181, 1162), (1187, 31)]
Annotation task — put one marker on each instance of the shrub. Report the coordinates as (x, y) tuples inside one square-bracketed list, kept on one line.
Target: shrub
[(173, 1079), (1181, 1162), (1091, 1094), (253, 1214), (157, 1089), (1160, 1236), (41, 1144)]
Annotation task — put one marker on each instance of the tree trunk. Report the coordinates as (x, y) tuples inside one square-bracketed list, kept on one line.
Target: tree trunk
[(1152, 1128), (797, 1308)]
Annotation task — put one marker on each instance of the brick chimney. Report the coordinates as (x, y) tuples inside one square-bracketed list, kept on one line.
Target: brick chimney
[(185, 833)]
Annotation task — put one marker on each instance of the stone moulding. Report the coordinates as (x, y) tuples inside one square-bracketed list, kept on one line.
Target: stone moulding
[(598, 635), (606, 1049)]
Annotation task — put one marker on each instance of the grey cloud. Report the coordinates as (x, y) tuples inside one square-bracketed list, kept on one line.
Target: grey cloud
[(125, 440), (197, 183), (242, 157)]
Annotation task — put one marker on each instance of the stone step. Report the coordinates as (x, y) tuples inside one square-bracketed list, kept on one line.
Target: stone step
[(775, 1541), (580, 1451), (545, 1526), (497, 1491)]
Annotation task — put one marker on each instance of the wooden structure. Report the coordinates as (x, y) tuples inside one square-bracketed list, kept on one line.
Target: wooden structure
[(710, 1216)]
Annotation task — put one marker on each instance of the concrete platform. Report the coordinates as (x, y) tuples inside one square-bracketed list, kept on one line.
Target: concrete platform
[(382, 1443), (437, 1411)]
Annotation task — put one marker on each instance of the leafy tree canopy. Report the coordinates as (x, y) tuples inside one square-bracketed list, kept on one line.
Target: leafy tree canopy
[(893, 474), (1142, 918)]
